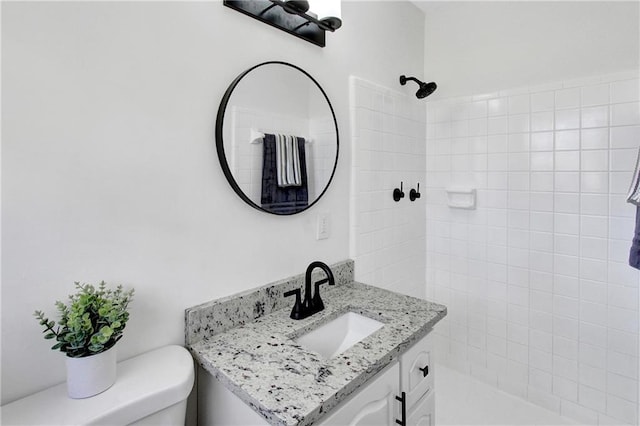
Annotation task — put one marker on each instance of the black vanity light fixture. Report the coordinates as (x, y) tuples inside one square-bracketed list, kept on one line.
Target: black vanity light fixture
[(308, 20)]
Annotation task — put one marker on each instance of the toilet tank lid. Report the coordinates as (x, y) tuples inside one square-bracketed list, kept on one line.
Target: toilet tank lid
[(145, 384)]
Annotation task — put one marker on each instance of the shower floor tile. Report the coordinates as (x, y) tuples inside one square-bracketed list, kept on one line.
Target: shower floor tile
[(463, 400)]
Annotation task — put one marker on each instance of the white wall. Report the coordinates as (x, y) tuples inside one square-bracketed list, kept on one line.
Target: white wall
[(542, 302), (535, 108), (483, 46), (109, 168)]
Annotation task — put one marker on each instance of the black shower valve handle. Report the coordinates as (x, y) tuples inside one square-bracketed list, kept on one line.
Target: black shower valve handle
[(413, 194), (398, 193)]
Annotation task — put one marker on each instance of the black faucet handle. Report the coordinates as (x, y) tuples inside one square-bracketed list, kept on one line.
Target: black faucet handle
[(292, 292), (296, 312), (323, 281)]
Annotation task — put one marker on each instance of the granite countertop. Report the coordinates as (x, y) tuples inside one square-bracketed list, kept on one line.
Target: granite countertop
[(289, 385)]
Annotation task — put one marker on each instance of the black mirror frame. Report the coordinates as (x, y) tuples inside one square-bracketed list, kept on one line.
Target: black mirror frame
[(220, 142)]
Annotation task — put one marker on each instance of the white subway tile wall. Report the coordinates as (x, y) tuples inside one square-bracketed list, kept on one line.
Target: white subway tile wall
[(542, 302), (388, 147)]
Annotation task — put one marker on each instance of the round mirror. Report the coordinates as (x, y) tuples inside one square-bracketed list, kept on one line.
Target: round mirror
[(277, 138)]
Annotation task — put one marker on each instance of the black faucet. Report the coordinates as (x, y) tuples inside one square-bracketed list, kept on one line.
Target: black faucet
[(314, 304)]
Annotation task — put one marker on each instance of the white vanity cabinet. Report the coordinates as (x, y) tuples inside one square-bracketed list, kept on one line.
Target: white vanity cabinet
[(401, 394)]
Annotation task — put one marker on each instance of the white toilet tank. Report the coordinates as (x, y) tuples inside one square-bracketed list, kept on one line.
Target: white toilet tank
[(151, 389)]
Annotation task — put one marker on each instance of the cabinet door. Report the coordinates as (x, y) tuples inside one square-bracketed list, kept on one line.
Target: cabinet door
[(423, 414), (373, 405), (416, 371)]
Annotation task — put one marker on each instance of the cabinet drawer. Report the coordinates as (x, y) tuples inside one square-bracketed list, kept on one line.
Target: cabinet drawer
[(416, 371), (423, 414)]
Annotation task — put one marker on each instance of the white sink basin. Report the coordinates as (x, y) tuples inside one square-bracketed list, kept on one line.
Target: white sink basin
[(338, 335)]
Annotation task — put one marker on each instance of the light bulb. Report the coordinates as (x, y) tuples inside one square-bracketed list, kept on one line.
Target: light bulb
[(328, 11)]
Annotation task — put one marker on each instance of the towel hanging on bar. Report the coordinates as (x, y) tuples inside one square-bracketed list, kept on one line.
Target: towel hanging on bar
[(633, 196), (288, 161), (634, 251), (277, 199)]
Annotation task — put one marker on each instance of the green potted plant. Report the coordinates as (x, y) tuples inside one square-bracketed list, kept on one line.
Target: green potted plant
[(89, 327)]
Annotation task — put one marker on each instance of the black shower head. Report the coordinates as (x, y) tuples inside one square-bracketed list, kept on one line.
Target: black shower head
[(424, 90)]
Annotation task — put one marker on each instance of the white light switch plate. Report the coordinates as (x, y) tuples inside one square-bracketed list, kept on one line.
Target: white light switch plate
[(324, 226)]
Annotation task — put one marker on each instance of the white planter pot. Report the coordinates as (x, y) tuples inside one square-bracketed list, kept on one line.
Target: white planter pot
[(90, 375)]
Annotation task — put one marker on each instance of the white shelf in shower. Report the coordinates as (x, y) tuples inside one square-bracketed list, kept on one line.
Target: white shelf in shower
[(459, 197)]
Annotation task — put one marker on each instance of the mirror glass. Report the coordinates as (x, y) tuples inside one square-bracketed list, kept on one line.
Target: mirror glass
[(277, 138)]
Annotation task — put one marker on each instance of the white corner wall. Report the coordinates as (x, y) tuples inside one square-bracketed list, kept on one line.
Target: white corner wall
[(485, 46), (537, 107), (542, 302), (109, 170), (387, 237)]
